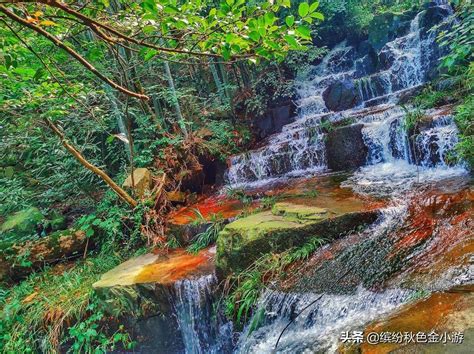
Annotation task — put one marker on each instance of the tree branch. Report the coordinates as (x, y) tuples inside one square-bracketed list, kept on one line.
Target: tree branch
[(104, 176), (71, 52)]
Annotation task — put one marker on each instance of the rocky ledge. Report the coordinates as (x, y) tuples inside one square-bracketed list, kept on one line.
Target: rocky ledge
[(287, 225)]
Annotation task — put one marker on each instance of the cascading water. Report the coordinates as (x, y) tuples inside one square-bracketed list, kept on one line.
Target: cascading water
[(319, 327), (300, 148), (319, 319), (395, 162), (201, 329)]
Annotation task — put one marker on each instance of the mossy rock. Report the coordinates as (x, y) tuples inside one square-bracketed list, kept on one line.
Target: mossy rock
[(22, 223), (287, 225), (385, 27), (299, 213)]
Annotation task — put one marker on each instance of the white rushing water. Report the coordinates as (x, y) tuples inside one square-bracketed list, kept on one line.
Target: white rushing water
[(201, 329), (318, 327), (299, 150), (319, 319)]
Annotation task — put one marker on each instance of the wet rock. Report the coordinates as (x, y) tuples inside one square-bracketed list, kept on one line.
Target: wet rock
[(158, 269), (287, 225), (366, 65), (345, 148), (145, 291), (17, 259), (341, 95), (432, 16), (141, 181), (21, 224), (367, 62), (386, 58), (448, 312), (384, 28), (274, 120)]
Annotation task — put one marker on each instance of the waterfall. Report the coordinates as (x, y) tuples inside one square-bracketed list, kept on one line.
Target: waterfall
[(202, 330), (300, 148)]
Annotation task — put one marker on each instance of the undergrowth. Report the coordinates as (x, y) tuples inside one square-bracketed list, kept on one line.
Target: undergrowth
[(209, 236), (243, 289), (49, 312)]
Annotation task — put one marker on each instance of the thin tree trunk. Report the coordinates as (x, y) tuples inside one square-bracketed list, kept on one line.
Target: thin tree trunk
[(217, 81), (97, 171), (175, 98)]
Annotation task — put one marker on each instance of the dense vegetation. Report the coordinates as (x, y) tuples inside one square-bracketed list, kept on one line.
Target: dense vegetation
[(91, 91)]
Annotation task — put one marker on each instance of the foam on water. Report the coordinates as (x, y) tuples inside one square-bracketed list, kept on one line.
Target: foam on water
[(318, 327), (397, 176)]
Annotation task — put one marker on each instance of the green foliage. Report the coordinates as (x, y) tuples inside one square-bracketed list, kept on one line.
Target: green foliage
[(239, 194), (245, 288), (412, 119), (36, 313), (430, 98), (268, 202), (86, 336), (209, 236), (356, 15), (464, 117), (459, 39), (225, 140)]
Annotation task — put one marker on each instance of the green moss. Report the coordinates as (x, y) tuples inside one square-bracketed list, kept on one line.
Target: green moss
[(299, 213), (22, 223), (286, 226)]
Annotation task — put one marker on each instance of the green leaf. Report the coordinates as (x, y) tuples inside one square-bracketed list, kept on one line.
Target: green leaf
[(39, 74), (150, 6), (269, 18), (303, 9), (304, 31), (150, 53), (317, 15), (148, 29), (255, 36), (292, 41), (290, 20), (314, 6)]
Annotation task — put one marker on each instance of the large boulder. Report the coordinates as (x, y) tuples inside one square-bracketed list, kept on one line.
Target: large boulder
[(386, 27), (274, 120), (21, 224), (287, 225), (345, 148), (141, 181), (432, 16), (341, 95), (18, 259)]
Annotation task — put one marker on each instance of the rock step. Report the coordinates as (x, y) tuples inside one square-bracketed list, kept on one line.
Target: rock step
[(288, 225)]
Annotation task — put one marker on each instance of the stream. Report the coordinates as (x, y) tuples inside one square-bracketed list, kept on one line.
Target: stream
[(421, 242)]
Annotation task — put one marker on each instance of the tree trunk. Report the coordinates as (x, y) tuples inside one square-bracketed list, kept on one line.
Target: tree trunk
[(217, 81), (116, 188), (175, 98)]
